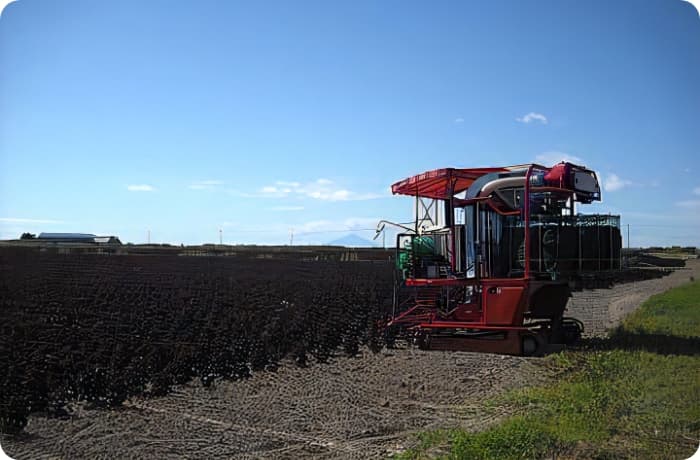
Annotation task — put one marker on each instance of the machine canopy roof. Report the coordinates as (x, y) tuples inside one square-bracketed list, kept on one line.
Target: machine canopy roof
[(442, 183)]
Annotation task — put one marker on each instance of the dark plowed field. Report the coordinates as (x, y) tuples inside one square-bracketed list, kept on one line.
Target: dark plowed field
[(103, 328)]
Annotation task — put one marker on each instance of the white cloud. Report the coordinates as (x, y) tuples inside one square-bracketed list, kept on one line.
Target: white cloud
[(696, 191), (320, 189), (205, 184), (346, 225), (20, 220), (354, 223), (532, 116), (552, 158), (287, 184), (311, 232), (686, 170), (315, 226), (459, 120), (614, 182), (140, 188), (287, 208)]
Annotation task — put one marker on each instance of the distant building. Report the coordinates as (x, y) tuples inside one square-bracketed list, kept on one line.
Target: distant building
[(88, 238)]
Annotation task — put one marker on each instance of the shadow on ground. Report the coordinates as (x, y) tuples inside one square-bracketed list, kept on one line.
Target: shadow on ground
[(656, 343)]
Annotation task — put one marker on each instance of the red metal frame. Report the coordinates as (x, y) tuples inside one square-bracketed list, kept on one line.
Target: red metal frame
[(441, 184), (501, 303)]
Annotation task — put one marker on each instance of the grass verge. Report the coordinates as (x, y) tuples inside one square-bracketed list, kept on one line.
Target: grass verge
[(634, 395)]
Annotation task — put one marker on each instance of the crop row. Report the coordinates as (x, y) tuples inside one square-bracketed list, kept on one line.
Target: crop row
[(104, 328)]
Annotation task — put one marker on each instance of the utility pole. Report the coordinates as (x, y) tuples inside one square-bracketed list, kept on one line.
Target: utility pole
[(628, 236), (291, 236), (221, 237), (149, 236)]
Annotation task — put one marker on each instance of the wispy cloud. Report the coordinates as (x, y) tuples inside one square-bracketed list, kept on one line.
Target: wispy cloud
[(613, 182), (287, 208), (21, 220), (314, 226), (311, 232), (320, 189), (459, 120), (330, 226), (140, 188), (205, 184), (551, 158), (532, 117), (692, 203)]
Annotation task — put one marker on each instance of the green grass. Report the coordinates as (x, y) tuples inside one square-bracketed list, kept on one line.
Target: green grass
[(613, 402), (674, 312)]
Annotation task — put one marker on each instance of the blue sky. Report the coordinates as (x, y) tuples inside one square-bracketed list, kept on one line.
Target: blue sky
[(258, 117)]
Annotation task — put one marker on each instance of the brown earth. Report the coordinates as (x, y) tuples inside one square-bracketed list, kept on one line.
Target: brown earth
[(350, 408), (363, 407)]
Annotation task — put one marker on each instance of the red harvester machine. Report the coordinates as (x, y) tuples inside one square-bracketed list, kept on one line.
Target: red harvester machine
[(486, 266)]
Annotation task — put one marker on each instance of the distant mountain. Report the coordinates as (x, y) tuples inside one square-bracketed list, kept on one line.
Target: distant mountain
[(354, 241)]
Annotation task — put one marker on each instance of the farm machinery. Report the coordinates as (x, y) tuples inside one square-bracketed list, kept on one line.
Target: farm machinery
[(487, 263)]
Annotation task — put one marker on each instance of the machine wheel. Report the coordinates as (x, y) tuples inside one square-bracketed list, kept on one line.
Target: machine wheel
[(422, 339), (571, 330), (530, 345)]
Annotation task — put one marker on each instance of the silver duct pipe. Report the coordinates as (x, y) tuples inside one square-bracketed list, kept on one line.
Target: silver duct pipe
[(494, 185)]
